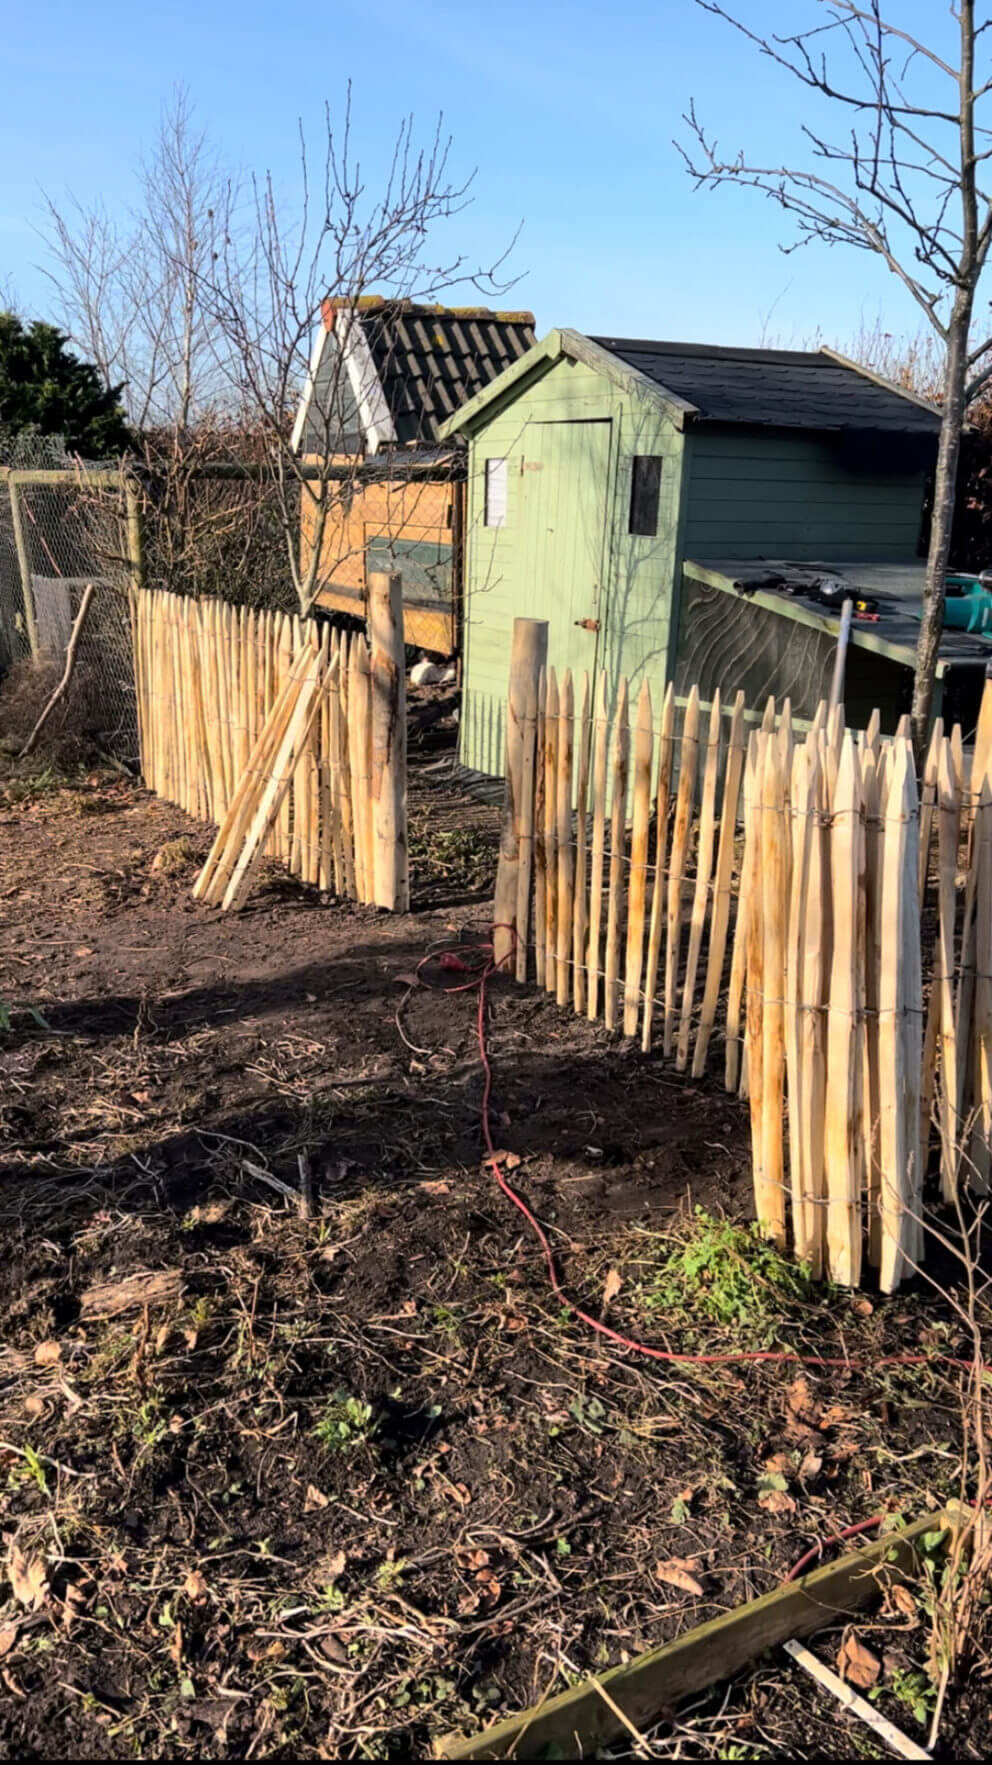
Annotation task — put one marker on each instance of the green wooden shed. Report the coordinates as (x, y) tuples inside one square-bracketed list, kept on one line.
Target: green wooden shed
[(607, 473)]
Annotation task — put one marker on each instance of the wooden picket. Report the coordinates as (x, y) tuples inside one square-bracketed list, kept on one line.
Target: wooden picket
[(289, 739), (770, 888)]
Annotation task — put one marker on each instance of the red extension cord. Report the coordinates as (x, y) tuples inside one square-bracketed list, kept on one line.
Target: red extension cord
[(480, 972)]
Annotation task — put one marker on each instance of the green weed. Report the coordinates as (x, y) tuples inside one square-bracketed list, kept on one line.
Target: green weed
[(727, 1274), (915, 1690), (347, 1422)]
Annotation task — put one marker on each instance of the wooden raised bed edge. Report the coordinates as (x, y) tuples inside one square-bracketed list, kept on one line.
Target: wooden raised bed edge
[(580, 1719)]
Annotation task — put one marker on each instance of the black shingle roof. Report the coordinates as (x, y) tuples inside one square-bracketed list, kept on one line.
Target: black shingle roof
[(431, 360), (781, 388)]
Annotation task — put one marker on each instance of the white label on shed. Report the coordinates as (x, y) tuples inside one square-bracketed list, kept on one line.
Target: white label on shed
[(496, 483)]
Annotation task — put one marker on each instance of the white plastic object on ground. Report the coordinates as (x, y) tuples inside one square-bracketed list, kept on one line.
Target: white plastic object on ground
[(424, 673), (858, 1706)]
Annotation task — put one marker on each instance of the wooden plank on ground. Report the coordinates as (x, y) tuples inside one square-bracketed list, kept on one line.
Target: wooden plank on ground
[(579, 1722)]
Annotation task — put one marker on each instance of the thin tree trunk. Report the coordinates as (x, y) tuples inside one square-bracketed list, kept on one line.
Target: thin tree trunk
[(945, 486), (955, 384)]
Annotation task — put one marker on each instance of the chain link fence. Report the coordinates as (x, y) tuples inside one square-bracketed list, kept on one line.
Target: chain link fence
[(63, 527)]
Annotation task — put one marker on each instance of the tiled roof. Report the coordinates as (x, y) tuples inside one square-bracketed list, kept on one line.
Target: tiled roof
[(783, 388), (431, 359)]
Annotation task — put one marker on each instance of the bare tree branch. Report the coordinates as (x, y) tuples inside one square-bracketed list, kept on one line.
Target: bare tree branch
[(904, 185)]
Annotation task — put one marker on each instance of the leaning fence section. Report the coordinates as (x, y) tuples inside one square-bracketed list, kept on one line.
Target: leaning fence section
[(799, 905), (291, 738)]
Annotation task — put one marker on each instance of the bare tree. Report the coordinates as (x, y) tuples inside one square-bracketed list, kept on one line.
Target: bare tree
[(335, 241), (907, 180), (131, 296)]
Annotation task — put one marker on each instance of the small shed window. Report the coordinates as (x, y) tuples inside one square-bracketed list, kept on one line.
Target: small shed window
[(496, 481), (645, 493)]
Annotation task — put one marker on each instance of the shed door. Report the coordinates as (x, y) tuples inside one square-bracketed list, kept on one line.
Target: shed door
[(563, 503)]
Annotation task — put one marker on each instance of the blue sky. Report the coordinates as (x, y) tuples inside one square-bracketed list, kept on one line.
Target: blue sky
[(567, 110)]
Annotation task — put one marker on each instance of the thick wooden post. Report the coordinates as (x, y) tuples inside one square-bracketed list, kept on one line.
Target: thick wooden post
[(391, 863), (527, 657), (23, 564), (135, 534)]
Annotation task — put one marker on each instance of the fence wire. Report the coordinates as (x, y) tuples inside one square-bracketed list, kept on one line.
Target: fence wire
[(201, 535)]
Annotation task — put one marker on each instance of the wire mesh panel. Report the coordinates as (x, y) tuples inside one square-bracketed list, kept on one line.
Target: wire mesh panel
[(72, 530), (14, 641)]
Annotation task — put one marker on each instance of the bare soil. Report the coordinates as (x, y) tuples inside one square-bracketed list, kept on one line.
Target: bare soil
[(361, 1480)]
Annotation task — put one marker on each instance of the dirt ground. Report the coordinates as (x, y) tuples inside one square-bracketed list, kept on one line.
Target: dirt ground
[(357, 1480)]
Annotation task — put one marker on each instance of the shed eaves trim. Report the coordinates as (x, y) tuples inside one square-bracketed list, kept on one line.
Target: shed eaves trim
[(559, 343)]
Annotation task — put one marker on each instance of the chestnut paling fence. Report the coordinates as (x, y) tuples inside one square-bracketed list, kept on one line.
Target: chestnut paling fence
[(800, 898), (291, 738)]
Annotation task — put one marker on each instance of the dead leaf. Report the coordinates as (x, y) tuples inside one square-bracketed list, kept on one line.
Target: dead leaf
[(512, 1161), (509, 1321), (406, 979), (28, 1577), (176, 1646), (195, 1587), (832, 1417), (611, 1287), (678, 1572), (857, 1664), (800, 1402), (468, 1604), (863, 1307), (904, 1602), (48, 1354), (472, 1559), (84, 950), (162, 1336), (8, 1638), (458, 1492), (35, 1405), (315, 1498), (435, 1188), (210, 1213), (810, 1465), (778, 1464), (776, 1501), (334, 1566)]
